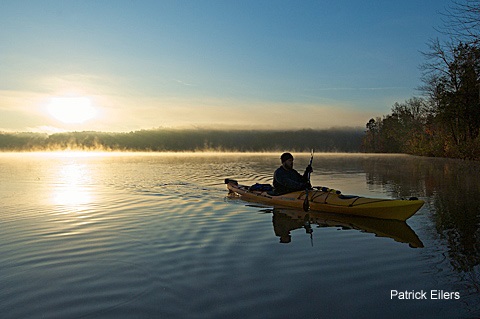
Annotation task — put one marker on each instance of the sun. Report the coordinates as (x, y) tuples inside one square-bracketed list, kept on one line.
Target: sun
[(71, 110)]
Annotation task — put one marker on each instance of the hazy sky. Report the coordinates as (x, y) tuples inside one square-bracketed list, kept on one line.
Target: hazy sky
[(239, 64)]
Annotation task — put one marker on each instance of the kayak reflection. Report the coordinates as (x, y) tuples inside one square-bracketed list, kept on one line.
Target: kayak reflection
[(287, 220)]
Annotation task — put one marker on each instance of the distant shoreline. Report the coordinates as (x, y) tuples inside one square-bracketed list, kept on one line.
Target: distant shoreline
[(189, 140)]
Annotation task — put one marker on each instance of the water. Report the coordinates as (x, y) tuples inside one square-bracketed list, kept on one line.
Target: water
[(95, 235)]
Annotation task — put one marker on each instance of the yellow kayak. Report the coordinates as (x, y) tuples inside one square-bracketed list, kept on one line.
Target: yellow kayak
[(322, 199)]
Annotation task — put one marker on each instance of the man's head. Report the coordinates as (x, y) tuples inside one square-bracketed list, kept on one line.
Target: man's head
[(287, 160)]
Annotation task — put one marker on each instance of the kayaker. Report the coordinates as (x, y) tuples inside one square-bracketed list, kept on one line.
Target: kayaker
[(286, 179)]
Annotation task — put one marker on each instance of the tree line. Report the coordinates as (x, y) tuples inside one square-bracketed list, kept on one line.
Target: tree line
[(188, 140), (445, 120)]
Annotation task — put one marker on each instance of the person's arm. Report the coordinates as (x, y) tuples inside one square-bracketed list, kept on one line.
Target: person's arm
[(306, 176), (308, 170), (285, 179)]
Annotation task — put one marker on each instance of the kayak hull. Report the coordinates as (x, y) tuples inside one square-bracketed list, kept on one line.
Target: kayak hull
[(332, 201)]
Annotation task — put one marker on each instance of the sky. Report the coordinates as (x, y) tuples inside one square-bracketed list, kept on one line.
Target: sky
[(128, 65)]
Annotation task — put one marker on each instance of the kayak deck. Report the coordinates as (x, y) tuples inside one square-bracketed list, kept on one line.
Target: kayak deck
[(328, 200)]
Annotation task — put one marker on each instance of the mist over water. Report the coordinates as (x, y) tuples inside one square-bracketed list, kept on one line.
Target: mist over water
[(189, 140), (150, 235)]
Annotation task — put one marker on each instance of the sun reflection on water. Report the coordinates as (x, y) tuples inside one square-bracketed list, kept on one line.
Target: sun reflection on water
[(72, 197), (72, 186)]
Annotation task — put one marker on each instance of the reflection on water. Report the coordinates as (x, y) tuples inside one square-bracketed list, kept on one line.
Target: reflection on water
[(452, 189), (457, 214), (71, 187), (287, 220), (153, 235)]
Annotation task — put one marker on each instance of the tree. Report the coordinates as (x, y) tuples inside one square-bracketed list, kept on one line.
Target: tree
[(451, 76), (462, 21), (371, 138), (401, 131)]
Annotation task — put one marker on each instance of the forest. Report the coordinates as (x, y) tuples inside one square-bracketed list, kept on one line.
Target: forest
[(189, 140), (445, 120)]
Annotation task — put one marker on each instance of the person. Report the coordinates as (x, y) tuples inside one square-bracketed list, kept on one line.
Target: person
[(286, 179)]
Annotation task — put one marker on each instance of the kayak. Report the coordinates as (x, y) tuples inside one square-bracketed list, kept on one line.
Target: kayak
[(322, 199)]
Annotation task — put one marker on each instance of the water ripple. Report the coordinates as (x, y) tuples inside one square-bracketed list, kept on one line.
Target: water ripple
[(155, 236)]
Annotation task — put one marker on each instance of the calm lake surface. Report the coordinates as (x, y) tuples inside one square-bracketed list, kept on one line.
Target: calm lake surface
[(99, 235)]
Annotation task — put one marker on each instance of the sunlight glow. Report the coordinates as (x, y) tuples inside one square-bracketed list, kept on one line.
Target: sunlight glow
[(71, 110), (71, 190), (72, 197)]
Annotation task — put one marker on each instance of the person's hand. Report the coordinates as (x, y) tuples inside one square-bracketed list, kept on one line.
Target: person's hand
[(309, 169)]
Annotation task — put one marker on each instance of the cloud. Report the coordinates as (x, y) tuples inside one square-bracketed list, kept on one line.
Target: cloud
[(238, 114), (184, 83)]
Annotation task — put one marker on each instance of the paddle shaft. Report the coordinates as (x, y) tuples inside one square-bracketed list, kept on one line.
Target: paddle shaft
[(306, 203)]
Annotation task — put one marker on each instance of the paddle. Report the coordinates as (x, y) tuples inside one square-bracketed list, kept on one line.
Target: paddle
[(306, 203), (308, 227)]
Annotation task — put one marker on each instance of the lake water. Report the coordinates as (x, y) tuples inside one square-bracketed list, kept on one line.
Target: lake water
[(98, 235)]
